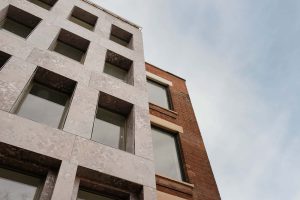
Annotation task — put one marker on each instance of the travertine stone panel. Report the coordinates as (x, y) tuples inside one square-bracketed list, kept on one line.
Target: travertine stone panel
[(81, 115), (95, 58), (13, 78), (75, 188), (63, 189), (140, 76), (43, 35), (148, 193), (63, 8), (143, 136), (119, 89), (36, 137), (113, 161), (14, 44), (48, 187), (60, 64)]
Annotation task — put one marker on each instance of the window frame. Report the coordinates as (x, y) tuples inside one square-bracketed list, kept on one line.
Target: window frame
[(17, 171), (124, 142), (27, 91), (179, 151), (168, 94)]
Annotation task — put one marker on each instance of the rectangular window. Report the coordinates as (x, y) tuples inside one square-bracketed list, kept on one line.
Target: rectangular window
[(18, 186), (121, 36), (47, 99), (83, 18), (46, 4), (87, 195), (19, 22), (166, 154), (118, 66), (158, 94), (71, 45), (4, 57), (111, 120)]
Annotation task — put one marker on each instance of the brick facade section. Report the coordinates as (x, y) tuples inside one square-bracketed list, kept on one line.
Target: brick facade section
[(195, 160)]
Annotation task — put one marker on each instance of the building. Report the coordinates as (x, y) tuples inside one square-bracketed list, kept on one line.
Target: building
[(75, 117)]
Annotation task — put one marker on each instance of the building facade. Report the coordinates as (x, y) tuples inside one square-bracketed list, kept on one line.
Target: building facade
[(81, 118)]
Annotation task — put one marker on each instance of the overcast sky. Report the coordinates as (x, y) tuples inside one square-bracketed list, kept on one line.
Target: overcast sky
[(241, 61)]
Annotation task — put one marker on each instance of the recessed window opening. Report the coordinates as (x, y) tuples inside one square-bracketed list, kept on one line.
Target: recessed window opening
[(18, 21), (4, 57), (121, 36), (46, 4), (16, 185), (118, 66), (167, 155), (84, 194), (47, 98), (83, 18), (158, 94), (71, 45), (112, 122)]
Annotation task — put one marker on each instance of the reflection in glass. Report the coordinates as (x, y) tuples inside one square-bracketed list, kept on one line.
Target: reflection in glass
[(44, 105), (109, 128), (166, 154), (17, 186), (115, 71), (158, 94), (84, 195), (16, 28), (69, 51)]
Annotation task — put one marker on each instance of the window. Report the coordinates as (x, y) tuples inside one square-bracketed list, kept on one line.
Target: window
[(47, 4), (71, 45), (158, 94), (47, 99), (166, 154), (111, 123), (86, 195), (118, 66), (3, 58), (83, 18), (121, 36), (19, 22), (18, 186)]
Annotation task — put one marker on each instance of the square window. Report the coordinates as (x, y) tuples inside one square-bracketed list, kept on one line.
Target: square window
[(47, 99), (118, 66), (4, 57), (112, 122), (71, 45), (19, 22), (83, 18), (46, 4), (15, 185), (167, 157), (121, 36), (158, 94)]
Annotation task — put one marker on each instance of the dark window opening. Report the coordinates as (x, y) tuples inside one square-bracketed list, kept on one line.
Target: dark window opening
[(83, 18), (121, 36)]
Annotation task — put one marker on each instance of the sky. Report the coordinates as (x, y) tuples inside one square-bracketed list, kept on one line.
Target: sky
[(241, 61)]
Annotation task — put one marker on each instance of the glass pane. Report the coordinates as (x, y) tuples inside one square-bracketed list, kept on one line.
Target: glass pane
[(84, 195), (17, 186), (16, 28), (68, 51), (118, 40), (81, 23), (158, 94), (44, 105), (109, 128), (166, 155), (115, 71), (41, 4)]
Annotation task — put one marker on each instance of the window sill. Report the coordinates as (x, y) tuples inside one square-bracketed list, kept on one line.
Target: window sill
[(164, 111), (179, 186)]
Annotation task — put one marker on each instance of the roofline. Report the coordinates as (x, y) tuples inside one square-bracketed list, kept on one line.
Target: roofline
[(112, 14), (165, 71)]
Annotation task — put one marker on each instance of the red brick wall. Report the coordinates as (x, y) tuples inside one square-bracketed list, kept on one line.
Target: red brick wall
[(195, 159)]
